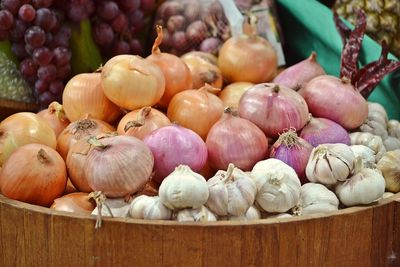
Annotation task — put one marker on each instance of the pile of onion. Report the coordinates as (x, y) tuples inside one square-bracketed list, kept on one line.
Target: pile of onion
[(83, 95), (80, 203), (55, 116), (176, 73), (34, 174)]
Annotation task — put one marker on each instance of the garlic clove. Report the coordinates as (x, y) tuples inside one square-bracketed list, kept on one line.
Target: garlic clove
[(252, 213), (367, 155), (389, 165), (372, 141), (391, 143), (316, 198), (394, 128), (387, 194), (118, 206), (201, 214), (149, 208), (280, 216)]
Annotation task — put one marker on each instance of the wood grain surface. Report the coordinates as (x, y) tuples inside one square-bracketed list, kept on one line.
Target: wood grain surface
[(358, 236)]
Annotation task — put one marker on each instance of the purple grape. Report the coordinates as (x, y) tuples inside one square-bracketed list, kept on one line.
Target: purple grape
[(64, 72), (46, 19), (11, 5), (136, 21), (179, 41), (77, 13), (28, 68), (129, 5), (176, 23), (29, 49), (211, 45), (27, 13), (120, 47), (49, 38), (192, 11), (42, 3), (103, 34), (62, 56), (107, 10), (56, 87), (18, 31), (4, 35), (136, 47), (90, 7), (60, 39), (35, 36), (120, 23), (42, 56), (19, 50), (47, 73), (148, 6), (6, 20), (46, 98), (170, 8), (167, 38), (196, 32), (41, 86)]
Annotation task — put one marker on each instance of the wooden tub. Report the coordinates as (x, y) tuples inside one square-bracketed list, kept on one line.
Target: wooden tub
[(359, 236)]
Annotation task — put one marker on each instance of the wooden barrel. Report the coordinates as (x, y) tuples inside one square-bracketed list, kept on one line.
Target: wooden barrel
[(358, 236)]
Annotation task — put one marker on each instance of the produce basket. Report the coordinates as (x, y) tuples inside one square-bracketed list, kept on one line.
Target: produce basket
[(358, 236)]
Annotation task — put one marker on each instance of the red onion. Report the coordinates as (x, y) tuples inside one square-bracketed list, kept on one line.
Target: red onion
[(235, 140), (118, 165), (335, 99), (273, 108), (324, 131), (298, 75), (174, 145), (294, 151)]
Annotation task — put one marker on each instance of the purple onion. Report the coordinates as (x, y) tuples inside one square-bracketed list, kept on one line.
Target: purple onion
[(294, 151), (324, 131), (174, 145), (298, 75)]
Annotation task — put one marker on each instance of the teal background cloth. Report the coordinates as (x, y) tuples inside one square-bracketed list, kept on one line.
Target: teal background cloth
[(308, 26)]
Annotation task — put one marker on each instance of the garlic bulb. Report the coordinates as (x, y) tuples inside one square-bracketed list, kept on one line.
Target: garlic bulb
[(201, 214), (394, 128), (372, 141), (232, 192), (376, 122), (278, 186), (252, 213), (183, 188), (329, 163), (118, 206), (387, 194), (389, 165), (280, 215), (391, 143), (364, 187), (365, 153), (149, 208), (377, 112), (316, 198)]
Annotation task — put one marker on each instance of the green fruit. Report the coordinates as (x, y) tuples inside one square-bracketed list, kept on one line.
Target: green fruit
[(5, 47)]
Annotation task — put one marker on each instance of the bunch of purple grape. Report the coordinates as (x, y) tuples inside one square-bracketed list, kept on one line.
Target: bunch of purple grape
[(116, 23)]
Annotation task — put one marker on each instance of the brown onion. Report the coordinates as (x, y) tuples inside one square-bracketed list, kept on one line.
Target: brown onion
[(55, 116), (176, 73), (118, 166), (34, 174), (273, 108), (140, 122), (80, 203), (235, 140), (83, 95), (197, 110), (80, 129), (232, 93), (247, 59), (69, 188), (24, 128)]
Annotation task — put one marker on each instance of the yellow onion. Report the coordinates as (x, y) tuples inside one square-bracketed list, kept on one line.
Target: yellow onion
[(232, 93), (55, 116), (80, 203)]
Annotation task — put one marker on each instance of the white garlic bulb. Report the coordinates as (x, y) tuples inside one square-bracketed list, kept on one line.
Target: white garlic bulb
[(201, 214), (232, 192), (280, 216), (329, 163), (394, 128), (364, 187), (183, 188), (118, 206), (387, 194), (389, 165), (149, 208), (391, 143), (365, 153), (377, 112), (372, 141), (376, 122), (278, 186), (316, 198), (252, 213)]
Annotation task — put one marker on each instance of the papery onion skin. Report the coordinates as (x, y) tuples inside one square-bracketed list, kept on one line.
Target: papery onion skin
[(120, 167), (83, 95), (79, 203), (273, 108), (247, 59), (55, 116), (324, 131), (232, 93), (78, 130), (298, 75), (35, 174), (153, 119), (175, 145), (197, 110), (132, 82), (335, 99), (235, 140), (24, 128)]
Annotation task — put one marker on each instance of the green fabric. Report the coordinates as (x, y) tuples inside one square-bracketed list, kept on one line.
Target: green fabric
[(308, 26)]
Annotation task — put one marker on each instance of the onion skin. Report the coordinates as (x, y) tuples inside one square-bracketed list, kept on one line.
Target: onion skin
[(273, 108), (232, 93), (247, 59), (324, 131), (83, 95), (235, 140), (298, 75), (34, 174), (121, 166), (132, 82), (335, 99), (55, 116), (24, 128), (152, 120), (78, 202), (175, 145)]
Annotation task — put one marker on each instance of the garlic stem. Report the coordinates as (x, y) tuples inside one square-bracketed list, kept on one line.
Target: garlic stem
[(228, 176)]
